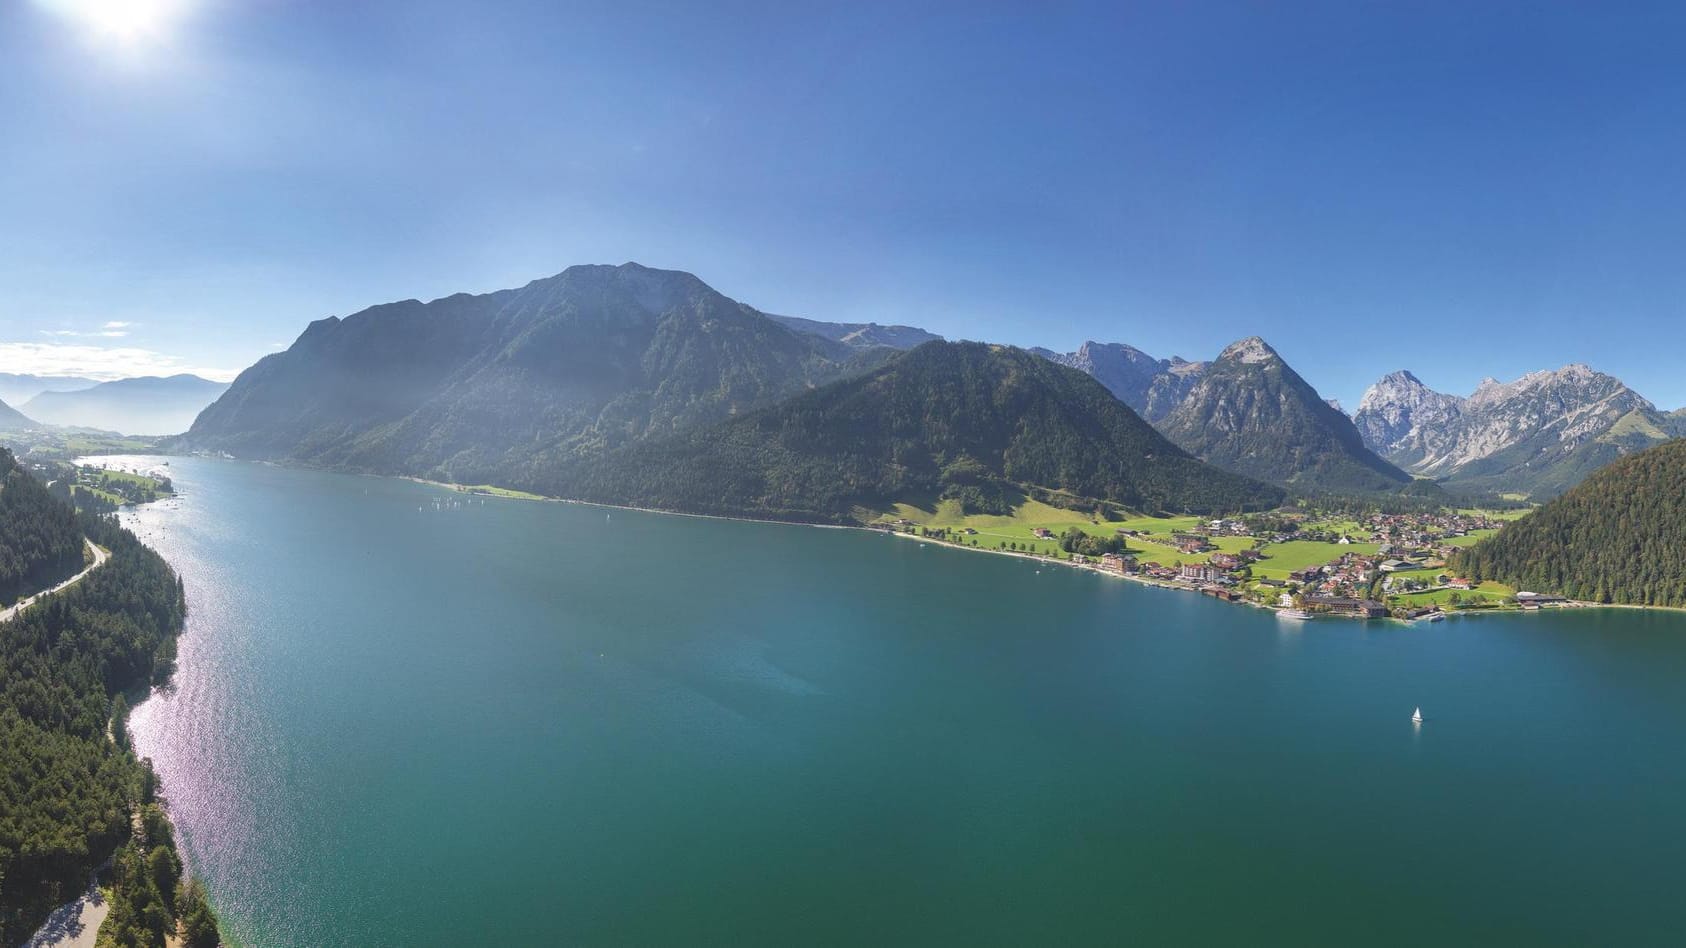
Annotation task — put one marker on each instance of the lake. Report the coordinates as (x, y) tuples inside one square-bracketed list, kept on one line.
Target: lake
[(530, 723)]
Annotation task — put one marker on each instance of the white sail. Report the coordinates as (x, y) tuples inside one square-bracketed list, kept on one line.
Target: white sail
[(1417, 716)]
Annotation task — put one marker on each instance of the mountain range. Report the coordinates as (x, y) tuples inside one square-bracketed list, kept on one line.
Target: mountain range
[(146, 405), (1153, 387), (510, 384), (1538, 435), (521, 386), (1246, 411), (562, 385), (981, 424), (16, 389)]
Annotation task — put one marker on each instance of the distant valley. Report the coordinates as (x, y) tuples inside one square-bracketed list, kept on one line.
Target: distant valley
[(17, 389), (136, 406)]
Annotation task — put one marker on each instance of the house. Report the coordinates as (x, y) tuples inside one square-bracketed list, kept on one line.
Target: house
[(1394, 566), (1306, 575), (1347, 605), (1042, 533), (1459, 583), (1537, 599), (1118, 563), (1191, 542), (1200, 573)]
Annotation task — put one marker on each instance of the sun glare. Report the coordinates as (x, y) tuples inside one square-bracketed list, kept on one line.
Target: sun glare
[(126, 21)]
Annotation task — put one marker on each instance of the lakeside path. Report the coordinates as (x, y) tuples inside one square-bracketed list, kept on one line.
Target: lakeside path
[(75, 924), (100, 556)]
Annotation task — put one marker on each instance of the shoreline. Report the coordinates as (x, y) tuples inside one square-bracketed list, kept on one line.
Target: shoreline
[(540, 498), (98, 907), (1173, 587), (529, 496)]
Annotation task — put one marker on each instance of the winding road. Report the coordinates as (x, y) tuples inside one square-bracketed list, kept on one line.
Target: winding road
[(100, 556)]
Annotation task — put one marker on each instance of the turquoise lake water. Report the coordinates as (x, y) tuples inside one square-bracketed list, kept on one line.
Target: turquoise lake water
[(523, 723)]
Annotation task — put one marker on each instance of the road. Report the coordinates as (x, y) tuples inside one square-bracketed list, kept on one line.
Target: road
[(75, 924), (100, 556)]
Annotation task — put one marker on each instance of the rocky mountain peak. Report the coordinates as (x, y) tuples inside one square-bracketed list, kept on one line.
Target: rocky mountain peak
[(1539, 431), (1249, 350), (1397, 390)]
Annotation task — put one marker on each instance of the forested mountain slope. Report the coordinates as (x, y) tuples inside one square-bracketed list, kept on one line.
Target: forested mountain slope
[(971, 421), (1617, 537), (40, 540)]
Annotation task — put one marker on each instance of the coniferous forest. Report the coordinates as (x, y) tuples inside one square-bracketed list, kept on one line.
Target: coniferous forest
[(73, 794), (973, 422), (1616, 538), (39, 540)]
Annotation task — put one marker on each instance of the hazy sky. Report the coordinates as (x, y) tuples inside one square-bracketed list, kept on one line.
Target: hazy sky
[(1465, 189)]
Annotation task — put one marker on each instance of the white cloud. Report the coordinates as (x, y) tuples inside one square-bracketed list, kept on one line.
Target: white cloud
[(102, 334), (117, 324), (97, 362)]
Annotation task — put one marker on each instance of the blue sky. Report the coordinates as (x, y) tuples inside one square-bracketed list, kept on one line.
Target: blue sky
[(1459, 189)]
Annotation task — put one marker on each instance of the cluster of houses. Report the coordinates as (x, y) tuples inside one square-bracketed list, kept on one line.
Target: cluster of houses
[(1412, 549), (1424, 531)]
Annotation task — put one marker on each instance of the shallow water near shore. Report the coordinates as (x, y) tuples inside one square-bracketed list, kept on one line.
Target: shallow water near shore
[(527, 723)]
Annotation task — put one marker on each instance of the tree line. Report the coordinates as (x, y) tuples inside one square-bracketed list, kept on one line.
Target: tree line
[(1615, 538), (72, 793), (40, 542)]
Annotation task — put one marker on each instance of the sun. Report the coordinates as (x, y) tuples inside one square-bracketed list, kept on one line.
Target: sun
[(126, 21)]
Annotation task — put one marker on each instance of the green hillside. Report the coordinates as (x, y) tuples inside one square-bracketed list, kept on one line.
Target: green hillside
[(1617, 537), (985, 425)]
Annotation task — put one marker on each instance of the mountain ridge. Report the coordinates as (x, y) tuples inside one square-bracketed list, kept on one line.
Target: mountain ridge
[(15, 388), (1151, 387), (970, 421), (1251, 413), (1539, 434), (860, 335), (471, 387), (13, 420)]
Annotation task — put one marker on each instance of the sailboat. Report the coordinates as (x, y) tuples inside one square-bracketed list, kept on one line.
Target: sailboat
[(1417, 716)]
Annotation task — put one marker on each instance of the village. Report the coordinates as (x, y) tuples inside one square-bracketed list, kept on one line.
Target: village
[(1302, 564)]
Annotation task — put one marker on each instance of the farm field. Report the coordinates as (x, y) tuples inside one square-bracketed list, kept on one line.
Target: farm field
[(1019, 528), (1488, 592), (1283, 558)]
